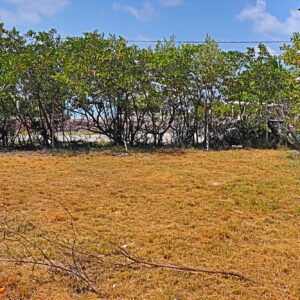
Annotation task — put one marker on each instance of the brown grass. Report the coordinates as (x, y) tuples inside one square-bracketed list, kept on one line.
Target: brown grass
[(234, 210)]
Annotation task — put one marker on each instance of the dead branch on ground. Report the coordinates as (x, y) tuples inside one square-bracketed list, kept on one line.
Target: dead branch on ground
[(24, 247)]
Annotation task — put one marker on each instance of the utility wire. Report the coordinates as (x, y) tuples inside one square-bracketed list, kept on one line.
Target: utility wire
[(203, 42), (218, 42)]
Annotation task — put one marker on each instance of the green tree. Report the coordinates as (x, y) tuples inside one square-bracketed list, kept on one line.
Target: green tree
[(11, 45), (38, 98), (207, 76), (291, 113)]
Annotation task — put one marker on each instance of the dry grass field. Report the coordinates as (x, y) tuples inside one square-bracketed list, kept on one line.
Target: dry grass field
[(229, 210)]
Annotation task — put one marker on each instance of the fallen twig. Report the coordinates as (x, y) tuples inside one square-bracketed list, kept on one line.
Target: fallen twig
[(137, 260), (77, 261), (54, 265)]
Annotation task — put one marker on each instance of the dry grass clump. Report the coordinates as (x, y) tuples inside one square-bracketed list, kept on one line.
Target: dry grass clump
[(232, 210)]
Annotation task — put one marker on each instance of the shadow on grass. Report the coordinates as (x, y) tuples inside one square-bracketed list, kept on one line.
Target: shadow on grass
[(82, 147), (75, 148)]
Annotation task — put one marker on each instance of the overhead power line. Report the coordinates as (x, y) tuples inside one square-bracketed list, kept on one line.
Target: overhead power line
[(203, 42)]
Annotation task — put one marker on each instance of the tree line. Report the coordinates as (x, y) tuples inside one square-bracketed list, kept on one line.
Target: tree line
[(183, 95)]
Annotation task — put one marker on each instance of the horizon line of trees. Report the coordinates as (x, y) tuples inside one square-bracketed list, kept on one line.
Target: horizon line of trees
[(186, 95)]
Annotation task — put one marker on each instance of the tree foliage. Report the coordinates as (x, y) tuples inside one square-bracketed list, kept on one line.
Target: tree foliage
[(186, 95)]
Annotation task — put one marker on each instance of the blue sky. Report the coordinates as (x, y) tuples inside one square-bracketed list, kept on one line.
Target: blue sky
[(155, 19)]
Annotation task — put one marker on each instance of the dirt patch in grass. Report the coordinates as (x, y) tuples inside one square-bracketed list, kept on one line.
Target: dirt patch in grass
[(231, 210)]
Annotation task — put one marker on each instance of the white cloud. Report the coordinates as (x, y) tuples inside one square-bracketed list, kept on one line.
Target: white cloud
[(30, 11), (265, 22), (142, 38), (167, 3), (146, 12)]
